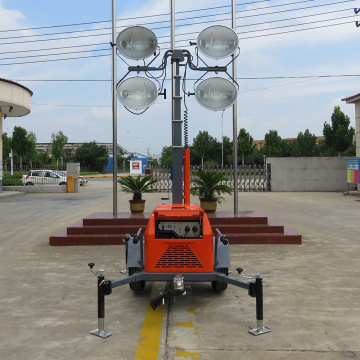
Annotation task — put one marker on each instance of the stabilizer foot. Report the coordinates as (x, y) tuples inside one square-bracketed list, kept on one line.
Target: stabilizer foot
[(260, 329), (101, 333)]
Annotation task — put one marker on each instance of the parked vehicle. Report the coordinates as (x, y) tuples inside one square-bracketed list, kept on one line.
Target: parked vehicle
[(43, 177), (82, 180), (47, 177)]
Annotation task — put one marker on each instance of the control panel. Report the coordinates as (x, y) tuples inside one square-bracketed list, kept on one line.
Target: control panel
[(166, 229)]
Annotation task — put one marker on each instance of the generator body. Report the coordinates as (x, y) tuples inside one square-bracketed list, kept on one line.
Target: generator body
[(179, 239)]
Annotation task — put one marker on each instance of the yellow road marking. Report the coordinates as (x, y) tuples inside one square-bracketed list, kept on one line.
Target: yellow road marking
[(188, 355), (148, 346)]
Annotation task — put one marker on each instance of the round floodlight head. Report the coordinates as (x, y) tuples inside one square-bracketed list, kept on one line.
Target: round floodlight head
[(137, 92), (217, 41), (216, 93), (136, 42)]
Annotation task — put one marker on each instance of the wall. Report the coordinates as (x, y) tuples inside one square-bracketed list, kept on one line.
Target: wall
[(308, 174)]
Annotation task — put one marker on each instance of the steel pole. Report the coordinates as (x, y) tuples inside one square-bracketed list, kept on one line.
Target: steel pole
[(1, 148), (235, 152), (177, 150), (114, 108)]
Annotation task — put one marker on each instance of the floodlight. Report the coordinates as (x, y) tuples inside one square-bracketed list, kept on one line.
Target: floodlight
[(216, 93), (136, 42), (217, 41), (137, 92)]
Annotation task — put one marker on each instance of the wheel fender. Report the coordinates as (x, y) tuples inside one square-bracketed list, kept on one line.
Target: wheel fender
[(133, 254), (223, 255)]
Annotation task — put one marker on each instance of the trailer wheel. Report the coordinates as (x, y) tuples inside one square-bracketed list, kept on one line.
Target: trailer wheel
[(219, 286), (137, 286)]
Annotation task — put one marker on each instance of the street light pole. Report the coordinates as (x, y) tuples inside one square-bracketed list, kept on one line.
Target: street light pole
[(235, 152), (114, 108)]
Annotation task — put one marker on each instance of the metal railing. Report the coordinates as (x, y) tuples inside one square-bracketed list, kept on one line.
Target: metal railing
[(250, 177)]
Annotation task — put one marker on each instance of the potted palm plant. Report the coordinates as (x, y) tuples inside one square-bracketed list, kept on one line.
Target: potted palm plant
[(209, 186), (137, 186)]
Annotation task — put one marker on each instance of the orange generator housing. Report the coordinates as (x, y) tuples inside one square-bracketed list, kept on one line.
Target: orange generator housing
[(179, 238)]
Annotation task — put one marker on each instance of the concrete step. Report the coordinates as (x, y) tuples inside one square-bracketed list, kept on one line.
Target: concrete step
[(247, 227)]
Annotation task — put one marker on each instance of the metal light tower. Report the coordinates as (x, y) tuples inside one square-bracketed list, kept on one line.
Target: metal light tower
[(214, 93)]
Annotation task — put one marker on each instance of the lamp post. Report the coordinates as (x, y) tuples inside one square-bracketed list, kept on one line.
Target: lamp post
[(235, 152), (114, 108)]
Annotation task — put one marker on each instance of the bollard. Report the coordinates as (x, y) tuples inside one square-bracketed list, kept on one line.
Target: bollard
[(100, 331), (70, 184), (260, 329)]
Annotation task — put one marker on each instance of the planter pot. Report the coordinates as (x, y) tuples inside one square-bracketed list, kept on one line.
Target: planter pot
[(208, 205), (137, 206)]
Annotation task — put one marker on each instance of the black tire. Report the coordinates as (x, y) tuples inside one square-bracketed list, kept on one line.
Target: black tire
[(137, 286), (29, 184), (62, 183), (219, 286)]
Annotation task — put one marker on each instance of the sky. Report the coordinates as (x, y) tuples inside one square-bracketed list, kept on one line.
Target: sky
[(298, 59)]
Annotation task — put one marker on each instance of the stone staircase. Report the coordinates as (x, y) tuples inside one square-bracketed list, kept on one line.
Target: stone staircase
[(246, 227)]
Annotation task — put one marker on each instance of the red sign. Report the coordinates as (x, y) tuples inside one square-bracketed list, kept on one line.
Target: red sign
[(136, 165)]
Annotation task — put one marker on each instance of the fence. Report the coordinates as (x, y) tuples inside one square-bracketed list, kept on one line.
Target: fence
[(15, 178), (250, 177)]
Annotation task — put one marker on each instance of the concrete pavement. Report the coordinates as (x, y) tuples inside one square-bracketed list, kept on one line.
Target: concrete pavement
[(49, 303)]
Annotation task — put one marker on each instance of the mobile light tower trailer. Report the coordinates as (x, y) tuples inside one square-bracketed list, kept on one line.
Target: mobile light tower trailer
[(178, 245)]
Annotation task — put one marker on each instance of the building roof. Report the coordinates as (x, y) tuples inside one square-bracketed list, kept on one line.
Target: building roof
[(74, 146), (15, 83), (352, 99)]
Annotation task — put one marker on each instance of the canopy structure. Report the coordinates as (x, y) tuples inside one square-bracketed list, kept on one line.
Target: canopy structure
[(14, 102), (14, 99)]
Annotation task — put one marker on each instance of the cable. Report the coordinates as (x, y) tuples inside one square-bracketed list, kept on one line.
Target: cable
[(66, 53), (282, 11), (181, 34), (292, 31), (237, 78), (133, 18), (286, 26), (179, 25), (55, 48), (42, 61), (293, 18)]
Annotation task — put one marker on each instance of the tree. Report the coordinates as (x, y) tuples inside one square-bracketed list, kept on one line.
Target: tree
[(43, 159), (6, 141), (257, 157), (31, 154), (20, 143), (93, 156), (166, 156), (123, 162), (289, 148), (244, 144), (228, 151), (57, 145), (205, 147), (338, 135), (273, 144), (306, 144)]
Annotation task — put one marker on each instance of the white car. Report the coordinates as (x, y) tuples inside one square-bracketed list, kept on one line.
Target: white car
[(48, 177), (43, 177), (82, 181)]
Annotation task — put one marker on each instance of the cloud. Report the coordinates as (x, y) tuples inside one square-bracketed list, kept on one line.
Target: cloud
[(82, 110)]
